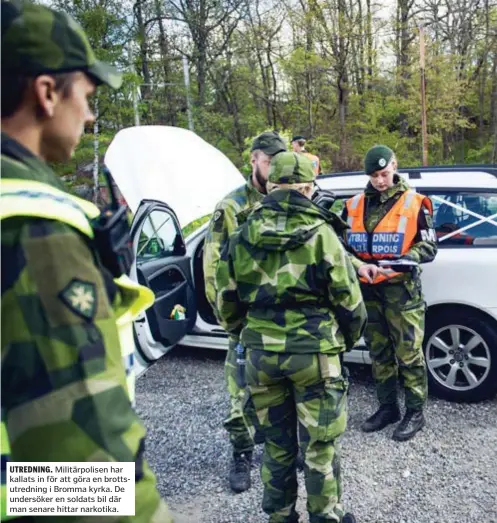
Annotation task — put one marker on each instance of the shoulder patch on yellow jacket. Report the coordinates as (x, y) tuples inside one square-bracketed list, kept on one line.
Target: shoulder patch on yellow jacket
[(80, 297)]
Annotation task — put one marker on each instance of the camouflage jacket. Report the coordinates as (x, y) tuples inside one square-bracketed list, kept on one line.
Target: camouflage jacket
[(64, 394), (286, 282), (224, 221), (377, 205)]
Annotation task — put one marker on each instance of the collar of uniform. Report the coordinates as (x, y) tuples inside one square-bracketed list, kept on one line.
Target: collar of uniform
[(286, 201), (400, 185), (253, 194), (37, 169)]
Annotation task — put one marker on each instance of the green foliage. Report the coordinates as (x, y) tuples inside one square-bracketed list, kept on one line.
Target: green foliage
[(79, 170), (193, 226), (300, 68)]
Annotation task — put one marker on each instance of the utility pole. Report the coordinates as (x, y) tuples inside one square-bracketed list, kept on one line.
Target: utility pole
[(424, 132), (96, 185), (186, 74), (135, 88)]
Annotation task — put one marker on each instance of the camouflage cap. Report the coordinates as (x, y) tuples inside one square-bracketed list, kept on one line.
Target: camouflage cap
[(269, 142), (377, 158), (37, 40), (290, 167)]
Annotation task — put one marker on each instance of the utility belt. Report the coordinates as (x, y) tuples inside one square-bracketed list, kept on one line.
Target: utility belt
[(296, 306)]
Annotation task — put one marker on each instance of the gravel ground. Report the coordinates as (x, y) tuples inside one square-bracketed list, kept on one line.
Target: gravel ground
[(447, 474)]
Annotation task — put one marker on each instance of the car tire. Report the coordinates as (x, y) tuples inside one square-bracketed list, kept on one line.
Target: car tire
[(464, 371)]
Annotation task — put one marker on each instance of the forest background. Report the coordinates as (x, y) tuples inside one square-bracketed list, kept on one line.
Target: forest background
[(344, 73)]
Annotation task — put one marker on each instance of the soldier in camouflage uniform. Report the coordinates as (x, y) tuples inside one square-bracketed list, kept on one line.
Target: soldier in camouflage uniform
[(298, 146), (396, 308), (64, 394), (224, 221), (286, 287)]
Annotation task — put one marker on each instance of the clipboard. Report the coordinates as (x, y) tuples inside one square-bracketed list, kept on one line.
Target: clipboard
[(398, 265)]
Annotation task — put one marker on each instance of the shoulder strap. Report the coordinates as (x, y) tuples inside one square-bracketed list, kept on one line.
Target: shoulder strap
[(353, 203), (40, 200)]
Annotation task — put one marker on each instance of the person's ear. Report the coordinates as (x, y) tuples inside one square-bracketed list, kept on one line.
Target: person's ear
[(45, 94)]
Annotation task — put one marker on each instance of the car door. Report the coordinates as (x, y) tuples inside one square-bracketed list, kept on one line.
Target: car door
[(158, 169), (163, 266)]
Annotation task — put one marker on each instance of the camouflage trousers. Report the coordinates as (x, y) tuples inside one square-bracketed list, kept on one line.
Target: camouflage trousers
[(304, 393), (394, 334), (235, 424)]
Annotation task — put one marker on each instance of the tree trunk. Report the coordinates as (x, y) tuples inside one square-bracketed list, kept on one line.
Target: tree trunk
[(95, 152), (483, 79), (404, 39), (201, 67), (142, 35), (266, 89), (359, 49), (342, 83), (493, 105), (228, 95), (166, 67), (143, 46), (309, 47), (274, 115), (369, 36), (493, 99)]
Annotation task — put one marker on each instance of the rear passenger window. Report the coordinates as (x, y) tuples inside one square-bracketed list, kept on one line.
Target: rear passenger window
[(465, 218)]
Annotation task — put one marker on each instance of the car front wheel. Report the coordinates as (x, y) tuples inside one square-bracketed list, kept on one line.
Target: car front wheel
[(461, 355)]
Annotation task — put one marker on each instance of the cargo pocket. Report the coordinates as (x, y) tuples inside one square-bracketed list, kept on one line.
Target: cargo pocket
[(407, 322), (415, 296), (250, 414), (333, 411), (414, 306)]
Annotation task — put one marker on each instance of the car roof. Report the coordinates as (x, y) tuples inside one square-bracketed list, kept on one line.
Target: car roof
[(437, 177)]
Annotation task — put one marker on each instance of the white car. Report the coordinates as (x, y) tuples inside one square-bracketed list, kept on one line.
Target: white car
[(171, 177)]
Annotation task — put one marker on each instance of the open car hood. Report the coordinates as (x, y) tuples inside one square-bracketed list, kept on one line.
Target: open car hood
[(171, 165)]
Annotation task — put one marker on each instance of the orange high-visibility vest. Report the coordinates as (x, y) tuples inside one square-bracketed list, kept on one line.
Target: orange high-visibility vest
[(394, 234), (314, 159)]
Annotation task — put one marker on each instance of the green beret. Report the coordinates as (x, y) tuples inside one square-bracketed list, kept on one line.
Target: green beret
[(289, 167), (269, 142), (38, 40), (377, 158)]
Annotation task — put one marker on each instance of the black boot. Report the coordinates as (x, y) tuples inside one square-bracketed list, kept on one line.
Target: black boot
[(240, 472), (259, 437), (412, 423), (349, 518), (384, 416)]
